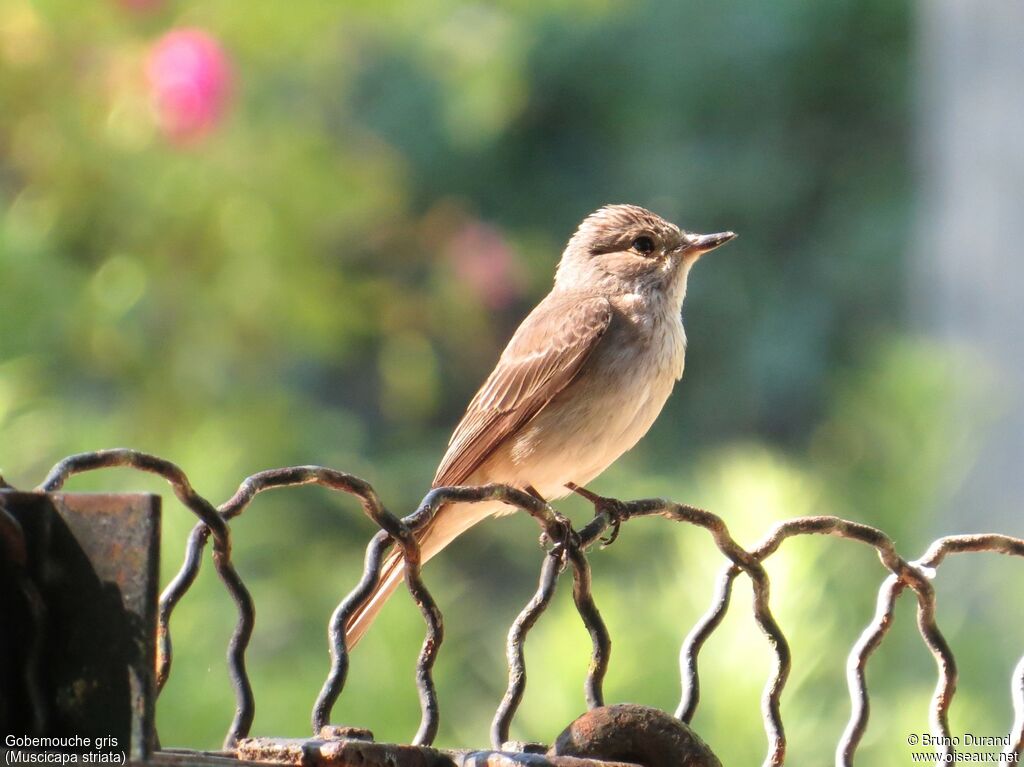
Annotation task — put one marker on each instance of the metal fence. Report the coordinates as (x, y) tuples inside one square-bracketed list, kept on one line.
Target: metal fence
[(568, 550)]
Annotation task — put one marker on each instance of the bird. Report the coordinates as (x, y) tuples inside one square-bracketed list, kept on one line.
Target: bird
[(580, 382)]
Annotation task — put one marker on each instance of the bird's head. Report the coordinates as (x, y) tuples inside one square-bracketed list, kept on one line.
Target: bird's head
[(628, 247)]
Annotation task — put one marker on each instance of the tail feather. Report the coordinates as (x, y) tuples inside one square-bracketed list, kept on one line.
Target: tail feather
[(392, 575), (449, 522)]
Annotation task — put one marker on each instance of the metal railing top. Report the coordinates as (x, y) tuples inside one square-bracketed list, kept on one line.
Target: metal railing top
[(568, 550)]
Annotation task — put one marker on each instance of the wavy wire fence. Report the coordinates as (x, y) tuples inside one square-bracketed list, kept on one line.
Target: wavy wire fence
[(569, 549)]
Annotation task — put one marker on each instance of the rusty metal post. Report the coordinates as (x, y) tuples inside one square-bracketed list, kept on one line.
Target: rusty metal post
[(93, 563)]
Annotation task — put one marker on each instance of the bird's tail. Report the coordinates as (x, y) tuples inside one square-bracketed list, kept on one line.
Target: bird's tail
[(449, 522), (391, 575)]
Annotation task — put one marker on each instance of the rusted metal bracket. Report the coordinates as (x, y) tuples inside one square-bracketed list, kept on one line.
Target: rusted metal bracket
[(78, 596), (348, 753), (624, 735)]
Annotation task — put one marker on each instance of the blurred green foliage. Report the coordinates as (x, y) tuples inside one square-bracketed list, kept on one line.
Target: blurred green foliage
[(305, 284)]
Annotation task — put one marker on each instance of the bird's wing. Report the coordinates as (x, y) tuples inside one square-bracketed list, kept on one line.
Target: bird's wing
[(543, 357)]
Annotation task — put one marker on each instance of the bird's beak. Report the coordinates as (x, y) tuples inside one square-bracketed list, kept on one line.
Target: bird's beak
[(699, 244)]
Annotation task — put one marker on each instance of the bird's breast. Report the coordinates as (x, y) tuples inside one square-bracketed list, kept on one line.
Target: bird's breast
[(603, 413)]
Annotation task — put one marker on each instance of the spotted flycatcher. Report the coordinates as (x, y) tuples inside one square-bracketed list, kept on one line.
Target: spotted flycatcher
[(581, 381)]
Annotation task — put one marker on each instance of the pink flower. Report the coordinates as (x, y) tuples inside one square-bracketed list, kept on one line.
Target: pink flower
[(190, 81), (485, 263)]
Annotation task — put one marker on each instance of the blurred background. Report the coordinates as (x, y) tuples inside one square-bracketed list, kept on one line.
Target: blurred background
[(249, 235)]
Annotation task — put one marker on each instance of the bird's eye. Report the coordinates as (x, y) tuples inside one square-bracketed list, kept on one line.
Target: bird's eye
[(643, 245)]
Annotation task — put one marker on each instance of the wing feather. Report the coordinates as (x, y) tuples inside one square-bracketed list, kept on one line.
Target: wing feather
[(543, 357)]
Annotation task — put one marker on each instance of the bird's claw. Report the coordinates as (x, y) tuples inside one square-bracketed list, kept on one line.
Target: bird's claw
[(616, 525), (617, 514), (614, 508)]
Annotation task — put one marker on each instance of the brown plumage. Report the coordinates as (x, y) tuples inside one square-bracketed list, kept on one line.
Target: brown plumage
[(544, 355)]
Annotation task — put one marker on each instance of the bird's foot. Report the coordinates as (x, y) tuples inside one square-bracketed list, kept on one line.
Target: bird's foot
[(614, 508)]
